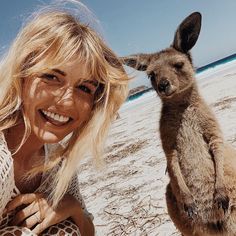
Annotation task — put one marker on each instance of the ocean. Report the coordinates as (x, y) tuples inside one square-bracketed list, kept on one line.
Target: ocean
[(216, 63), (199, 70)]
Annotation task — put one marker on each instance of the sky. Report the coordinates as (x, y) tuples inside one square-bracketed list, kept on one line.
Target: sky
[(133, 26)]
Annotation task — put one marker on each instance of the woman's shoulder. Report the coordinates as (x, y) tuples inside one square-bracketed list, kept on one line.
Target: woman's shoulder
[(4, 151), (2, 139), (6, 161), (8, 188)]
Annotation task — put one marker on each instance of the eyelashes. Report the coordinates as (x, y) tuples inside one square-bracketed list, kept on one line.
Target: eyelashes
[(49, 77), (85, 89)]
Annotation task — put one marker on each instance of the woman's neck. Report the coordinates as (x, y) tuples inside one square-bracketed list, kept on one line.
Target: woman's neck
[(30, 154), (31, 147)]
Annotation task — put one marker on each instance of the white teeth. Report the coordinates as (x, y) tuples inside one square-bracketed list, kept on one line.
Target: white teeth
[(56, 116)]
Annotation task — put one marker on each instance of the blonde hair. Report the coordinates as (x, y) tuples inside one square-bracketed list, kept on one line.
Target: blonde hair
[(51, 39)]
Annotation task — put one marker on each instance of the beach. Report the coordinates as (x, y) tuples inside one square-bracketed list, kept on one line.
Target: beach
[(127, 195)]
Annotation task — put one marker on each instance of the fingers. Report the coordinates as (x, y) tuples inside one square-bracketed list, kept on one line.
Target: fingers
[(37, 213), (47, 222), (32, 220), (25, 213), (20, 200)]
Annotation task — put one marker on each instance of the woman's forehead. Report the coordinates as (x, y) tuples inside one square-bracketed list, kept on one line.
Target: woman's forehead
[(75, 70)]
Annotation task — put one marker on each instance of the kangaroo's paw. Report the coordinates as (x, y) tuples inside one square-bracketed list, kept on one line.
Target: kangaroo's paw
[(190, 209), (221, 199)]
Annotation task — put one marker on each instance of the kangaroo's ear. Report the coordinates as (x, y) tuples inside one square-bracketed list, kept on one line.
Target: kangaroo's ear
[(187, 33), (137, 61)]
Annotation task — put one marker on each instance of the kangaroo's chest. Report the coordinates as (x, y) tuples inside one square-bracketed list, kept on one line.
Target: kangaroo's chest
[(190, 143), (185, 135)]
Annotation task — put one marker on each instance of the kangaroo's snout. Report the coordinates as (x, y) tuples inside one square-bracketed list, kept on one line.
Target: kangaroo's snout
[(163, 85)]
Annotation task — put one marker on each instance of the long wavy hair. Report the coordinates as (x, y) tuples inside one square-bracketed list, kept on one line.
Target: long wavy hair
[(51, 39)]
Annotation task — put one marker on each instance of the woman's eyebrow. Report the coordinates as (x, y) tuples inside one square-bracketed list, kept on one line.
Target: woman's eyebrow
[(59, 71), (93, 82)]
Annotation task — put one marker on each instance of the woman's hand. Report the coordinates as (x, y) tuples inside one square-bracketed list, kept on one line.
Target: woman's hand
[(37, 214)]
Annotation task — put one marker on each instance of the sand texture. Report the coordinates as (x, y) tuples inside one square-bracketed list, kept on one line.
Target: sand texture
[(126, 197)]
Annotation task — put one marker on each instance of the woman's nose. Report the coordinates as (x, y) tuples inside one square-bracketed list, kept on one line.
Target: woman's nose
[(65, 98)]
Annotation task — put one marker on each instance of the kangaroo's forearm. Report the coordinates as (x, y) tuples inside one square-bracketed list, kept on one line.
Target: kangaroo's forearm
[(216, 148), (214, 139), (176, 171)]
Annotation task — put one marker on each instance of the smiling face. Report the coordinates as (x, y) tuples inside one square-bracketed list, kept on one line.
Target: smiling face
[(58, 101)]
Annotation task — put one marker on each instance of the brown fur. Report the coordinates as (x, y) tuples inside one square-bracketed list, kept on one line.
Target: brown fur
[(201, 195)]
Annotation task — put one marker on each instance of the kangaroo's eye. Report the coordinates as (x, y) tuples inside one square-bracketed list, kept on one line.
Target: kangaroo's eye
[(152, 76), (178, 65)]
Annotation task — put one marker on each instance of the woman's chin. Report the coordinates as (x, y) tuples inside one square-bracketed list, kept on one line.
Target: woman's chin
[(48, 137)]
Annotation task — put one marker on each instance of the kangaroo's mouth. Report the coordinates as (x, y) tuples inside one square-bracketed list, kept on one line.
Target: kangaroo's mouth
[(167, 92), (165, 87)]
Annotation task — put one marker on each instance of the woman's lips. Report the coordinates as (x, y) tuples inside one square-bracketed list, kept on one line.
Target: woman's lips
[(55, 118)]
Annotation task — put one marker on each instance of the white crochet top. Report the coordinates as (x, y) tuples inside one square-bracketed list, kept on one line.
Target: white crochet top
[(9, 190)]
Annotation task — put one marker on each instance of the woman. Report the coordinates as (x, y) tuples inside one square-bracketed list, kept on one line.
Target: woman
[(60, 88)]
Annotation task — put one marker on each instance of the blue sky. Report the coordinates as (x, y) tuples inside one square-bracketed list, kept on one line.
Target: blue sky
[(131, 26)]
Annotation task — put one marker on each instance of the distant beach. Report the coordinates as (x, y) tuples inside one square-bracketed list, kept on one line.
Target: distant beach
[(217, 63), (144, 89), (127, 197)]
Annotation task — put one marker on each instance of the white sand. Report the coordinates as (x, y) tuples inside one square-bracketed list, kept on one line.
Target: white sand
[(127, 197)]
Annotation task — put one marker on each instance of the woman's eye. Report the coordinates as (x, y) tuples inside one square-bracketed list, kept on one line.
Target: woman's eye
[(85, 89), (50, 77)]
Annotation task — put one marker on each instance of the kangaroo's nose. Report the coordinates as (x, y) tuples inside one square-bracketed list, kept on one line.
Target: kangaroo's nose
[(163, 85)]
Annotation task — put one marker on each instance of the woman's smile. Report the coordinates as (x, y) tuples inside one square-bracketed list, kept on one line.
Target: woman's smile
[(55, 118), (59, 101)]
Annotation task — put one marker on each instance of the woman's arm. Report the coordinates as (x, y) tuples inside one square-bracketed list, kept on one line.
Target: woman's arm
[(74, 191), (38, 214), (83, 221)]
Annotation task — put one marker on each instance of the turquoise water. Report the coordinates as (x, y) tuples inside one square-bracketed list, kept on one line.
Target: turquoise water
[(137, 95), (198, 70), (217, 63)]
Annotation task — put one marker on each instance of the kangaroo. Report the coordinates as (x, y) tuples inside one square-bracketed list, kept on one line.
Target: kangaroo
[(201, 194)]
